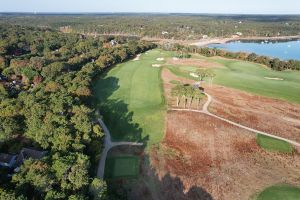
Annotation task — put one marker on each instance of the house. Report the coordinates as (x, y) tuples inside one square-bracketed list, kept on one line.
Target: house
[(27, 153), (17, 52), (239, 33), (113, 42), (7, 160), (3, 78)]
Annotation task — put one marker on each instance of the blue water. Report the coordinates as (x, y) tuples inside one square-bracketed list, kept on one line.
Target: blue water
[(283, 50)]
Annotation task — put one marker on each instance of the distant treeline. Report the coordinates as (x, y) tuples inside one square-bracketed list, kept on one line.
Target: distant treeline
[(184, 27), (273, 63)]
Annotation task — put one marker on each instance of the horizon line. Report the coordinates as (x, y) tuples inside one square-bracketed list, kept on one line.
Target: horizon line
[(164, 13)]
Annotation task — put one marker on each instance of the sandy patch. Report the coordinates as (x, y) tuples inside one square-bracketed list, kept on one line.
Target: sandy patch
[(276, 79), (137, 57), (160, 59), (156, 65), (194, 75), (194, 62)]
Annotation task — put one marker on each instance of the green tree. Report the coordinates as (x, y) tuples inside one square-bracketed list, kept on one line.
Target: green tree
[(71, 170), (199, 96), (3, 92), (2, 62), (10, 195), (202, 74), (9, 128), (37, 174), (99, 189), (51, 71), (177, 92)]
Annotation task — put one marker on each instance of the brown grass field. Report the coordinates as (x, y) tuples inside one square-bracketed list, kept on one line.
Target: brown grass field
[(220, 159), (270, 115), (262, 113), (204, 63), (204, 158)]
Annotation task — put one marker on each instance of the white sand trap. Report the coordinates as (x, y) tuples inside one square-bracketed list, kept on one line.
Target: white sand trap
[(156, 65), (175, 58), (274, 78), (137, 57), (194, 75), (160, 59)]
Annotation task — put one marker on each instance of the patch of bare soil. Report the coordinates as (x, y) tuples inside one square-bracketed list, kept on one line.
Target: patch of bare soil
[(217, 160), (194, 62), (262, 113)]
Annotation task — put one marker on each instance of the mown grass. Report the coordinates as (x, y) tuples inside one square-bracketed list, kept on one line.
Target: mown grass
[(274, 145), (122, 167), (280, 192), (131, 100), (250, 77)]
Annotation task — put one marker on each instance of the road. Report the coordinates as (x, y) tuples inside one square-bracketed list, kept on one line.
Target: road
[(206, 111), (108, 144)]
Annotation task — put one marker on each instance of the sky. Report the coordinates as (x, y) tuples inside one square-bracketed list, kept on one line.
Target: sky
[(164, 6)]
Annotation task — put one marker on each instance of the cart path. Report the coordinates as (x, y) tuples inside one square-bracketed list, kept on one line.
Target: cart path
[(206, 111), (108, 144)]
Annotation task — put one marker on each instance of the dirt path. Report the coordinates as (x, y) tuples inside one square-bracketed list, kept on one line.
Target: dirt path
[(206, 111), (108, 144)]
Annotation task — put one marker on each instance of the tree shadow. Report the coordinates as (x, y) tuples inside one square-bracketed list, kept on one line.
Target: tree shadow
[(119, 120), (173, 188), (167, 187), (149, 185), (115, 112)]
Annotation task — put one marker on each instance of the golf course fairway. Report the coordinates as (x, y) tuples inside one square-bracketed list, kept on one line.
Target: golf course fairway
[(132, 102)]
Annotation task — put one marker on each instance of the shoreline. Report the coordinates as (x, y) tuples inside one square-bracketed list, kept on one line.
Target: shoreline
[(205, 42)]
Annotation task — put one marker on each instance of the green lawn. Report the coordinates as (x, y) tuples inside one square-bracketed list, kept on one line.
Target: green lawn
[(122, 167), (131, 100), (280, 192), (249, 77), (271, 144)]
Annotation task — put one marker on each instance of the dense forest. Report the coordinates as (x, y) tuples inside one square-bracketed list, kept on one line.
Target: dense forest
[(176, 26), (46, 103)]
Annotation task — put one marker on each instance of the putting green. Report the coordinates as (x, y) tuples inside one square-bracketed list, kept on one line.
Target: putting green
[(122, 167), (131, 100), (271, 144), (280, 192)]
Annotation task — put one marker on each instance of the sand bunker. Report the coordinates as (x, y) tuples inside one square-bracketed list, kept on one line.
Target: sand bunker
[(156, 65), (274, 78), (194, 75), (160, 59), (137, 57)]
